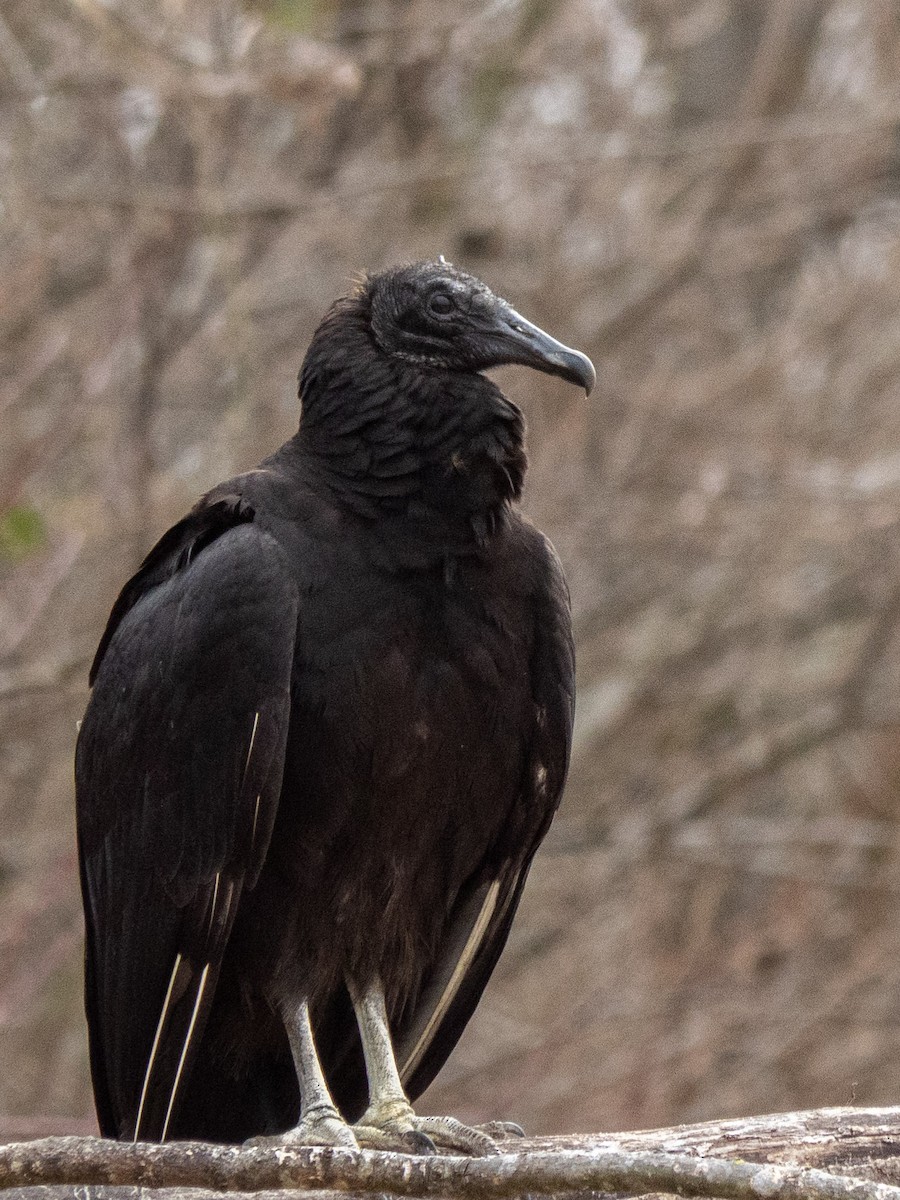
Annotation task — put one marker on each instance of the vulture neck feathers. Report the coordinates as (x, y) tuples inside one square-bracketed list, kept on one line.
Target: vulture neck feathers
[(404, 436)]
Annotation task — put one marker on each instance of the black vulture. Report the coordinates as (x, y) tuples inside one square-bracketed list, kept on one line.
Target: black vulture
[(329, 727)]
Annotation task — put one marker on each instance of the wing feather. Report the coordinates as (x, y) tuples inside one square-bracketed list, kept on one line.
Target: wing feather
[(478, 925), (178, 774), (483, 914), (460, 952)]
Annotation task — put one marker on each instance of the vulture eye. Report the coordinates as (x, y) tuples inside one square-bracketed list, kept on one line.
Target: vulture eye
[(440, 304)]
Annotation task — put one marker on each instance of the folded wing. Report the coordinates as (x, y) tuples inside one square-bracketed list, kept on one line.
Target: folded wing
[(178, 776), (483, 914), (479, 922)]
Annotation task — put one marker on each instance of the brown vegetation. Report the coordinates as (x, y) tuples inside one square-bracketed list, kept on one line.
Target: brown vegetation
[(703, 195)]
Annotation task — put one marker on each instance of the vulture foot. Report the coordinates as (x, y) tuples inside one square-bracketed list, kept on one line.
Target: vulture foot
[(395, 1126), (501, 1130), (321, 1125)]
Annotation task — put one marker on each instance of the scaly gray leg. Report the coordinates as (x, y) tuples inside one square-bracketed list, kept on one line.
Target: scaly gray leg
[(390, 1121), (320, 1122)]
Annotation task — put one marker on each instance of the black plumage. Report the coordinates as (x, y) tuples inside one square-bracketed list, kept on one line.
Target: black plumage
[(329, 726)]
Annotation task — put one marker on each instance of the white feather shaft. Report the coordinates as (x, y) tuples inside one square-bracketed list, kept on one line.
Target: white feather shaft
[(463, 963)]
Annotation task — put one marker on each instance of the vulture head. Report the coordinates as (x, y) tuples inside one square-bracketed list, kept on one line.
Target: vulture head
[(434, 314)]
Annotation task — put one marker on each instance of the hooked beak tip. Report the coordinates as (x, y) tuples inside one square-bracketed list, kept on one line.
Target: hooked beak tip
[(575, 367)]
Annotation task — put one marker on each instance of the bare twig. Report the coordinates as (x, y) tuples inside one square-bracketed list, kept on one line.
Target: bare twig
[(141, 35), (32, 365), (18, 995), (17, 63), (37, 581), (44, 1125), (755, 757)]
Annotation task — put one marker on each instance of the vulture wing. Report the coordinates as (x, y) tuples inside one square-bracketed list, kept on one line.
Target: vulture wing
[(479, 923), (178, 775), (483, 914)]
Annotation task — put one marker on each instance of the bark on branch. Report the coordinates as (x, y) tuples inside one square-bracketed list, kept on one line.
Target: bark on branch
[(829, 1154)]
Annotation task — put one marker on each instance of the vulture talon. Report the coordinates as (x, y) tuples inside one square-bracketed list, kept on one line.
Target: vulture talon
[(450, 1134), (394, 1137), (315, 1129), (500, 1130), (424, 1135), (419, 1143)]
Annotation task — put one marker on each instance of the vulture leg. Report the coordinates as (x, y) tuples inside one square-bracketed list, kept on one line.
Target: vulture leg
[(390, 1121), (320, 1122)]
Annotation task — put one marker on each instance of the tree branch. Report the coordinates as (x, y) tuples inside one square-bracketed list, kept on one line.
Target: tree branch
[(714, 1160)]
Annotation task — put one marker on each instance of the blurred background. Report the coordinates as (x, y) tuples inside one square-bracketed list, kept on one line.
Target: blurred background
[(704, 196)]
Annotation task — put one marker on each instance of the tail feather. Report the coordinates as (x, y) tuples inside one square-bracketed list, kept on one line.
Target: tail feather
[(179, 1032)]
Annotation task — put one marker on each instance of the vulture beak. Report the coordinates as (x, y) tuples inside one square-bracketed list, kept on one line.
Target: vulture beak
[(521, 342)]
